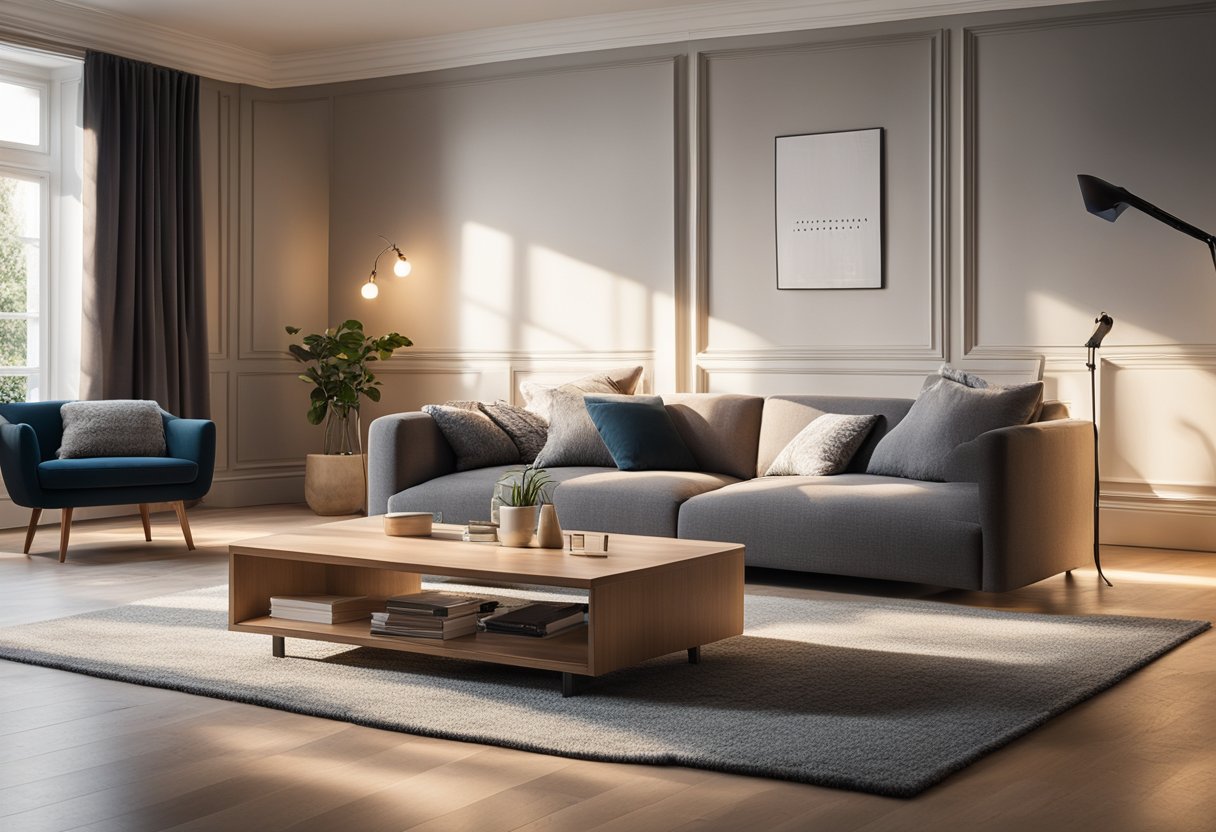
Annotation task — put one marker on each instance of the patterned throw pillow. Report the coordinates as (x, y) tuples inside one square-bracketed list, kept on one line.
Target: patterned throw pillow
[(822, 448), (573, 439), (527, 430), (118, 427), (476, 440)]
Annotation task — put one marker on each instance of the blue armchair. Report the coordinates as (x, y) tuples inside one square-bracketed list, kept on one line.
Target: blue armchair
[(30, 435)]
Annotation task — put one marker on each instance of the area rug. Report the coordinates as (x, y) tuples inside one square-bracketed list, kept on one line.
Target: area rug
[(882, 696)]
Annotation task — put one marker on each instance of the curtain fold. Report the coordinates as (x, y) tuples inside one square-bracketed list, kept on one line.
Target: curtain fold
[(145, 324)]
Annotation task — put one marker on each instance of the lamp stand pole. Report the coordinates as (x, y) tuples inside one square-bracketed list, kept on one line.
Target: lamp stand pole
[(1092, 363)]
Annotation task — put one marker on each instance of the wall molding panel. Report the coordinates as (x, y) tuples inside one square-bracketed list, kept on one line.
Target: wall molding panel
[(949, 92), (932, 346)]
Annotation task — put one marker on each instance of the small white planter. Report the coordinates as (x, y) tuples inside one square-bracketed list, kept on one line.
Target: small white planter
[(516, 525)]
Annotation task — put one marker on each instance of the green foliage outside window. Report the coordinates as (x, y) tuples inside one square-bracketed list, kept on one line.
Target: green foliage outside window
[(14, 288)]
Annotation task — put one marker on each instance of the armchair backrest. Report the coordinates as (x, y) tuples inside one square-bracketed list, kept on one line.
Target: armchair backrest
[(43, 417)]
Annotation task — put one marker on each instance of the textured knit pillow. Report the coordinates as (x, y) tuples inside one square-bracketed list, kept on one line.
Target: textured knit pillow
[(477, 441), (822, 448), (946, 415), (963, 377), (119, 427), (639, 433), (573, 439), (527, 430), (538, 397)]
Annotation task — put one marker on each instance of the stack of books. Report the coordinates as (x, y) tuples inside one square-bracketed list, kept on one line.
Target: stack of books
[(430, 615), (320, 609), (540, 619), (480, 531)]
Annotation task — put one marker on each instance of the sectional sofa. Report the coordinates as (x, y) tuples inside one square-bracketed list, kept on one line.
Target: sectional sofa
[(1015, 505)]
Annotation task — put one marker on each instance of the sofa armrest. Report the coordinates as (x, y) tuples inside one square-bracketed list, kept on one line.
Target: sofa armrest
[(192, 439), (403, 450), (20, 456), (1036, 496)]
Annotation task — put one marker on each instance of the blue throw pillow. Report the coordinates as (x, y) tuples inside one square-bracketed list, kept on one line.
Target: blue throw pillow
[(639, 433)]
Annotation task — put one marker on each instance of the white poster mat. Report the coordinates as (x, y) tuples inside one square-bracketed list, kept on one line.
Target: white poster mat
[(829, 210)]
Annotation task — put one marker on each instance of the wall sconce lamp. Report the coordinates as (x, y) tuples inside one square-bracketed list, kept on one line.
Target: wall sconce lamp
[(401, 268), (1108, 201)]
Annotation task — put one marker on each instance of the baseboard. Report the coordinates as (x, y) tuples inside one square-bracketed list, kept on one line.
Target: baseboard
[(1160, 524), (256, 489)]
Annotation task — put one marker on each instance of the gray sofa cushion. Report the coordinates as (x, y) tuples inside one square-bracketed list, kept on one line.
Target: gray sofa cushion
[(851, 524), (945, 416), (721, 430), (785, 416), (465, 495), (115, 427), (631, 502)]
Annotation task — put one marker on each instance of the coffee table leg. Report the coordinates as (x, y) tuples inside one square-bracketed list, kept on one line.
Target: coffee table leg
[(569, 685), (694, 655), (278, 647)]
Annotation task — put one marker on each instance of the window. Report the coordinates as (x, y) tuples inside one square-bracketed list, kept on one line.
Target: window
[(21, 235), (40, 225)]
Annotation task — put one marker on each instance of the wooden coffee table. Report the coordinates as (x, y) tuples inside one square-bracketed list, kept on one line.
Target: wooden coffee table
[(651, 596)]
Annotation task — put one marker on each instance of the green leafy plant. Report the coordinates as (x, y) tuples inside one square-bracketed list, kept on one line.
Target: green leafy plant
[(337, 362), (526, 487)]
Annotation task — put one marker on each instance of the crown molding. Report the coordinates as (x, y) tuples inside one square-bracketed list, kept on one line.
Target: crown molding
[(71, 29), (74, 27)]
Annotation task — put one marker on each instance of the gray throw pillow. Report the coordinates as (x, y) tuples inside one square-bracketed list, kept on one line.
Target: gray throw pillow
[(946, 415), (963, 377), (477, 441), (118, 427), (573, 439), (527, 430), (822, 448)]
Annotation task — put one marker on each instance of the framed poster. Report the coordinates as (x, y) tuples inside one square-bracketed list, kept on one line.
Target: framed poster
[(829, 210)]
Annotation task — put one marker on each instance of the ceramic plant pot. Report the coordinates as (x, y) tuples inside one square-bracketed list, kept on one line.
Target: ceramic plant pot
[(335, 483), (516, 525)]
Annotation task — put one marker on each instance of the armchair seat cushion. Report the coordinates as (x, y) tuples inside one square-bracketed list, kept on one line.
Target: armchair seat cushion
[(116, 472)]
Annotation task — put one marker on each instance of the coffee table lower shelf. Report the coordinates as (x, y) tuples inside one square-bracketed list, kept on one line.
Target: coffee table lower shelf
[(566, 652)]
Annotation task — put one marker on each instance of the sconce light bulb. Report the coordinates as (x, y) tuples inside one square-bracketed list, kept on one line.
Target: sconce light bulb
[(370, 290), (402, 267)]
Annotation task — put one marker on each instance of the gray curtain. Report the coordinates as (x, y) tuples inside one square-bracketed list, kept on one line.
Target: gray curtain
[(145, 327)]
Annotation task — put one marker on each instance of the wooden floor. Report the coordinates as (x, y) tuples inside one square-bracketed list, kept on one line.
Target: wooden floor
[(84, 753)]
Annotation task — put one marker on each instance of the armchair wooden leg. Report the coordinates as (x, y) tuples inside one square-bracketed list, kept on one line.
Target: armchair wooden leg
[(143, 515), (65, 531), (29, 533), (180, 508)]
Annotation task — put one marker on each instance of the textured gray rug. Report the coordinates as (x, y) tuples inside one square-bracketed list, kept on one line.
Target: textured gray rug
[(876, 695)]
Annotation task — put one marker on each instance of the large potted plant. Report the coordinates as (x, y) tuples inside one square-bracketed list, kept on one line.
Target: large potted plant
[(335, 482)]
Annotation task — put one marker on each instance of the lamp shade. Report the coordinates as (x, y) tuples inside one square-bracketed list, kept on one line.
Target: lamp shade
[(1103, 199)]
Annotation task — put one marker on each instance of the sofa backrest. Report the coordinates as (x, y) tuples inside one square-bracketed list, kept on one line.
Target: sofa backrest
[(785, 416), (721, 429)]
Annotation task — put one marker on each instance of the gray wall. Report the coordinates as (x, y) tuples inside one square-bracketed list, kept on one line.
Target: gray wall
[(585, 211)]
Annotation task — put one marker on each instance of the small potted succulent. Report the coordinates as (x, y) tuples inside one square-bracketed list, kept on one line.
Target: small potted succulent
[(517, 500)]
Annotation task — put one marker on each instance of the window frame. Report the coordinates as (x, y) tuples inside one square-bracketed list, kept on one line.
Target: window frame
[(39, 371), (57, 164), (9, 74)]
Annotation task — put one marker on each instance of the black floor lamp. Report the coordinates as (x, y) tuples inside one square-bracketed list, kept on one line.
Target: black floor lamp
[(1102, 199), (1104, 323)]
